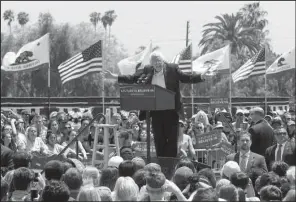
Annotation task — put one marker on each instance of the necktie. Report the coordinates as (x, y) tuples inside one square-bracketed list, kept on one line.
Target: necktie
[(243, 163), (279, 153)]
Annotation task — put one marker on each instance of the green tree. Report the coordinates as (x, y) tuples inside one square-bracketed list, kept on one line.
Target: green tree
[(229, 28), (109, 18), (23, 18), (94, 19), (9, 16), (252, 15)]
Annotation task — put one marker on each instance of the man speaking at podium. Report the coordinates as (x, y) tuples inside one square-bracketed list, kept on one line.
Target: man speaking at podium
[(164, 123)]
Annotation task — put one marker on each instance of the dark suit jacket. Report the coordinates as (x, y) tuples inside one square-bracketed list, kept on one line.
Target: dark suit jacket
[(172, 76), (6, 159), (262, 137), (288, 155), (255, 161)]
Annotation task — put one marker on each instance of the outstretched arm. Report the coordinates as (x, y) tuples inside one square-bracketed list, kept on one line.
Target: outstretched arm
[(192, 77), (188, 78), (129, 79)]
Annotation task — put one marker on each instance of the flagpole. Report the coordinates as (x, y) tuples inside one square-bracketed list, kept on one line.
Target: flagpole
[(230, 81), (192, 98), (265, 81), (104, 62), (48, 80)]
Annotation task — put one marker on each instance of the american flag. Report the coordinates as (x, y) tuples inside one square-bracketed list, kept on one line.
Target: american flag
[(184, 59), (253, 67), (89, 60)]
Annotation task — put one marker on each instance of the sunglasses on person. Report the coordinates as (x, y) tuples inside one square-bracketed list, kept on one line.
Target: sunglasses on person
[(239, 114), (281, 133)]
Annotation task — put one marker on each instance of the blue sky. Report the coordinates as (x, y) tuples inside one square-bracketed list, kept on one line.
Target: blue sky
[(162, 22)]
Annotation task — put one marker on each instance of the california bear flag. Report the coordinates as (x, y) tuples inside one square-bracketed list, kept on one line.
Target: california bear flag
[(283, 63), (30, 57)]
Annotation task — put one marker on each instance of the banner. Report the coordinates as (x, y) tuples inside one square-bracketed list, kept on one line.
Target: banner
[(219, 102), (30, 57), (283, 63), (206, 140), (216, 61)]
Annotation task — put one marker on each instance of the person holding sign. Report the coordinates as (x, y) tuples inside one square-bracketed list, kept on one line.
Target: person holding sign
[(168, 76), (221, 136), (185, 142)]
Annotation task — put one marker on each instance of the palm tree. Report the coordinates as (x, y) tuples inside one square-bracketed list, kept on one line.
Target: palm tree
[(110, 18), (253, 16), (9, 16), (95, 18), (229, 28), (23, 18)]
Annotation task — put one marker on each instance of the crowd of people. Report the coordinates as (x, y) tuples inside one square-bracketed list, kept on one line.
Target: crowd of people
[(263, 167)]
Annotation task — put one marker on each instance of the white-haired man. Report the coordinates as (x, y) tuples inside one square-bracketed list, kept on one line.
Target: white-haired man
[(164, 123)]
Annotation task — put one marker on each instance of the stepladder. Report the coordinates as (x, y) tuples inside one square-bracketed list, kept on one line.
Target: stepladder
[(106, 146)]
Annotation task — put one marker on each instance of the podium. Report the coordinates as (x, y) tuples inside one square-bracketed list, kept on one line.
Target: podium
[(147, 98)]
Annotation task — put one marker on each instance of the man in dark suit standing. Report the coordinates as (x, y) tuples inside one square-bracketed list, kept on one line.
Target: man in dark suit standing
[(261, 132), (283, 150), (247, 160), (6, 159), (164, 123)]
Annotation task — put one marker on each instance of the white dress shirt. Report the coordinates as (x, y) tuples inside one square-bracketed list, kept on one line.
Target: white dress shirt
[(247, 158), (277, 148), (158, 79)]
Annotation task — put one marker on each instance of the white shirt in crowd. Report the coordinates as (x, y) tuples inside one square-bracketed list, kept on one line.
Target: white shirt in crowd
[(277, 148), (34, 146), (158, 79)]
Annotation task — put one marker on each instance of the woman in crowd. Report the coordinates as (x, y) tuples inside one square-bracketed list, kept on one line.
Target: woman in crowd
[(34, 143), (185, 143), (41, 129), (202, 117), (197, 130), (52, 147), (136, 131), (73, 146), (54, 127), (125, 190), (88, 194), (84, 137), (91, 177), (240, 124), (18, 126), (6, 138), (218, 129)]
